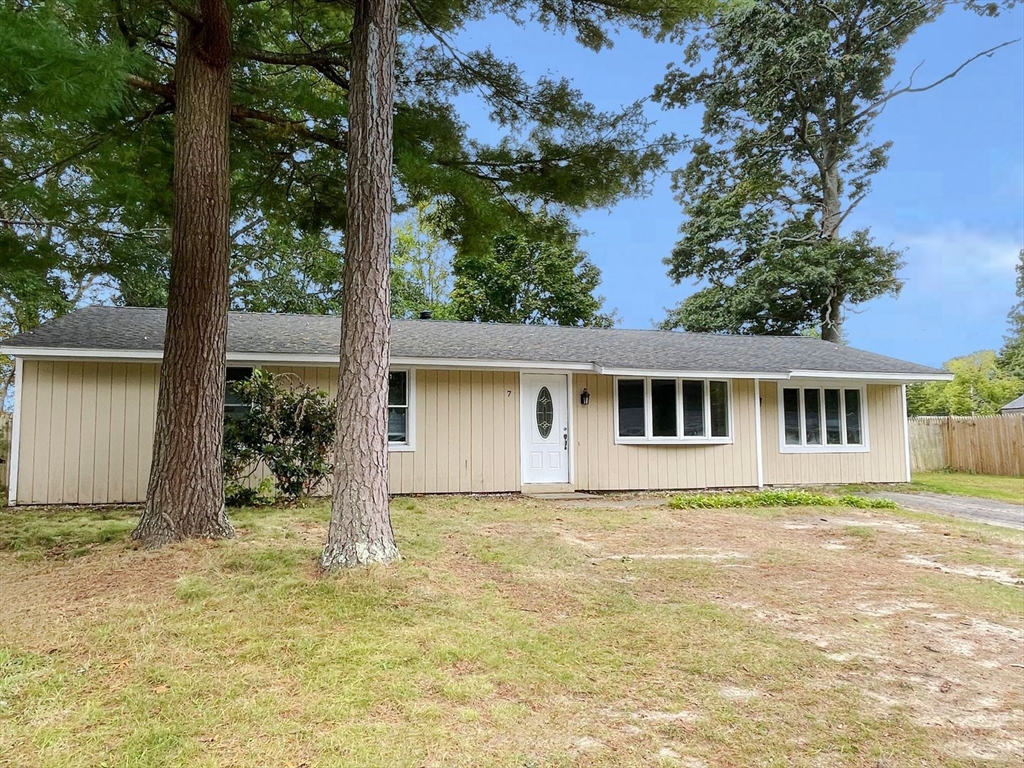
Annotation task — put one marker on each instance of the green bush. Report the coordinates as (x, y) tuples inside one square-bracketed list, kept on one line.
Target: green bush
[(287, 427), (775, 498)]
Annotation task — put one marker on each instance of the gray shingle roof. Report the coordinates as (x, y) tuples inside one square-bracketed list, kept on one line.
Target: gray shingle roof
[(1013, 405), (128, 329)]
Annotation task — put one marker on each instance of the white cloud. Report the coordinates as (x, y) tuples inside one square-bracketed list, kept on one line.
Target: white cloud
[(956, 251)]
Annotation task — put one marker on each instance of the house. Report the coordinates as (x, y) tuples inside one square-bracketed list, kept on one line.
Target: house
[(485, 407), (1014, 406)]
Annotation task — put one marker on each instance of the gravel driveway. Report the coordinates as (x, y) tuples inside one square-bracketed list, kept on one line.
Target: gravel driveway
[(979, 510)]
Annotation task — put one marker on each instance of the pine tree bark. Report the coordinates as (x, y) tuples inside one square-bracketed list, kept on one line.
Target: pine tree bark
[(185, 497), (832, 214), (360, 530)]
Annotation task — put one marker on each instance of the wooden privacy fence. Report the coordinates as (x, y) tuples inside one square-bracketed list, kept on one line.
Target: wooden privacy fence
[(986, 445), (5, 453)]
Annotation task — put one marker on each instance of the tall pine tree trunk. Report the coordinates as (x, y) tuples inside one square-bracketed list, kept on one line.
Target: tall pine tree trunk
[(832, 214), (185, 498), (360, 531)]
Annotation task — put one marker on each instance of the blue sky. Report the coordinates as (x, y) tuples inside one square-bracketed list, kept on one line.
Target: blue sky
[(952, 196)]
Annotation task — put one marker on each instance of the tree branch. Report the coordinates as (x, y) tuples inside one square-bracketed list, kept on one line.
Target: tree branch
[(909, 88), (240, 114)]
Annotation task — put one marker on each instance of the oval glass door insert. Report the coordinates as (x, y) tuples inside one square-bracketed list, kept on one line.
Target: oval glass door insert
[(545, 412)]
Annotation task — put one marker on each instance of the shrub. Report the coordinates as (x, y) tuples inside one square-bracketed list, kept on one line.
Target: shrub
[(287, 427), (775, 498)]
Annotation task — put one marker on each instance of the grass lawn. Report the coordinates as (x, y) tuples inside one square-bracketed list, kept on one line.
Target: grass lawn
[(516, 632), (964, 484)]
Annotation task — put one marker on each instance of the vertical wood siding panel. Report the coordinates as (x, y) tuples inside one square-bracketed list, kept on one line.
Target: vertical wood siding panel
[(513, 468), (33, 450), (607, 475), (476, 433), (57, 434), (101, 446), (489, 436), (73, 432), (118, 390), (149, 388), (130, 468), (29, 384), (87, 447), (454, 462), (442, 431), (466, 447)]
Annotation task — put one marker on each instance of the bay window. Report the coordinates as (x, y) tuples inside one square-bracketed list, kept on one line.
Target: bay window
[(666, 411)]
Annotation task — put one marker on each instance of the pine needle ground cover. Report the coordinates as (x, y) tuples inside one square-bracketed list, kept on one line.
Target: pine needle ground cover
[(516, 632)]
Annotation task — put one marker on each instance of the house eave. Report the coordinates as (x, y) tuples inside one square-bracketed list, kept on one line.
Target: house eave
[(267, 358)]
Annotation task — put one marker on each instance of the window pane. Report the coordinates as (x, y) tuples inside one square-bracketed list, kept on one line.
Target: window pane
[(397, 392), (812, 416), (791, 407), (545, 412), (693, 408), (719, 409), (833, 424), (853, 431), (663, 407), (631, 408), (397, 419), (234, 408)]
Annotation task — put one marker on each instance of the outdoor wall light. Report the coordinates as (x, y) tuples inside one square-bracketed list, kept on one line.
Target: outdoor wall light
[(584, 397)]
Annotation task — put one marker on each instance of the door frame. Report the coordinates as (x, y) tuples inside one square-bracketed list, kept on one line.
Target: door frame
[(570, 421)]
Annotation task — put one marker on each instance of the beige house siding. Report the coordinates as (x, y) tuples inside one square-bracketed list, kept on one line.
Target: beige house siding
[(86, 431), (86, 437), (466, 433), (601, 465), (884, 462)]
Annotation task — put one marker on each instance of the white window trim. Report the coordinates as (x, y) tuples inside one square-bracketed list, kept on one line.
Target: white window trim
[(649, 439), (410, 420), (785, 447)]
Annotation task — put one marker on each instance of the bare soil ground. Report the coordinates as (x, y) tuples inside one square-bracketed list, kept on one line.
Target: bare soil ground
[(519, 632)]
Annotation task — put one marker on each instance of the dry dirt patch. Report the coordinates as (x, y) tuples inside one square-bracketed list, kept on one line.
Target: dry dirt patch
[(852, 586)]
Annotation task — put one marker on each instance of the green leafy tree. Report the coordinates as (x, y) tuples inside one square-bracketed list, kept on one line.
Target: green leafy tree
[(791, 89), (1011, 357), (979, 387), (526, 278)]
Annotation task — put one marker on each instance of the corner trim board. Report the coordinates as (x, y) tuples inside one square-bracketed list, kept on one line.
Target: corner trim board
[(12, 477), (757, 433)]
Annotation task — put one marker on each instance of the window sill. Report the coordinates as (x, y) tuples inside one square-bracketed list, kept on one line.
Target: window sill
[(400, 448), (674, 441), (823, 449)]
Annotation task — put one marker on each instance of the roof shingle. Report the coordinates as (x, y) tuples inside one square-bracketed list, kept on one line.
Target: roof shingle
[(131, 329)]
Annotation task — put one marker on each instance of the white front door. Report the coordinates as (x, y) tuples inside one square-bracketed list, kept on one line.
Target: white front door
[(545, 428)]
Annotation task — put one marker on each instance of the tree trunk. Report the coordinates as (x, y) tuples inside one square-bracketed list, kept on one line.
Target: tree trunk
[(360, 530), (185, 498), (832, 312)]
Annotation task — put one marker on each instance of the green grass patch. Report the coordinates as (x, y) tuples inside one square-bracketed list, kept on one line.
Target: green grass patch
[(998, 488), (775, 498), (64, 533)]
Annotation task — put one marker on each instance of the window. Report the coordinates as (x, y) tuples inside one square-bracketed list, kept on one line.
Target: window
[(822, 419), (398, 408), (671, 411), (233, 405)]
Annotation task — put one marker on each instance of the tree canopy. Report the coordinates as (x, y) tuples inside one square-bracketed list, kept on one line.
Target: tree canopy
[(87, 95), (519, 280), (790, 90), (1011, 357), (978, 388)]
